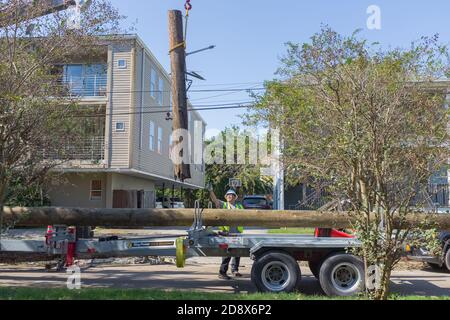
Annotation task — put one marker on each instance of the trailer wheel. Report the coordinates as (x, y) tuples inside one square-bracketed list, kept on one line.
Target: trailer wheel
[(342, 275), (314, 266), (447, 259), (276, 272)]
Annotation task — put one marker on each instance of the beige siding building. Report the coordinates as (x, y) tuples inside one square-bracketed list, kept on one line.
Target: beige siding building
[(127, 154)]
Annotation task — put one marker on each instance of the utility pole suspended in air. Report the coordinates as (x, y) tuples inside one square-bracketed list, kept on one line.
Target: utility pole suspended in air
[(179, 96)]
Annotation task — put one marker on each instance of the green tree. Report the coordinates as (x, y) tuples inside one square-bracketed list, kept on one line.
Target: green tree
[(36, 119), (220, 172), (367, 121), (25, 192)]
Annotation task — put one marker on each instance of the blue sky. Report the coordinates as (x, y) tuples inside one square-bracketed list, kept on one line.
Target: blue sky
[(250, 36)]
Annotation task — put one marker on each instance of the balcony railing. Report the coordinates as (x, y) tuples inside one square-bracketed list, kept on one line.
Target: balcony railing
[(87, 86), (90, 149)]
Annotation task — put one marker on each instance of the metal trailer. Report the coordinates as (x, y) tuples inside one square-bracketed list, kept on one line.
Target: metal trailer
[(275, 267)]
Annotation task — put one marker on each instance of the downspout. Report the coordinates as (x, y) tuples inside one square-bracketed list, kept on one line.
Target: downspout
[(132, 109), (141, 124), (109, 111)]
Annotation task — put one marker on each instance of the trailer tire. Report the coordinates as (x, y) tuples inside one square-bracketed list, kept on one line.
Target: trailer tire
[(342, 274), (447, 259), (314, 266), (276, 272)]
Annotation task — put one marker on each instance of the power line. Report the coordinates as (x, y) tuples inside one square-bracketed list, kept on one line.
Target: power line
[(200, 105), (215, 90), (215, 96), (161, 111), (228, 84), (106, 93), (212, 97), (169, 108), (225, 101), (169, 91)]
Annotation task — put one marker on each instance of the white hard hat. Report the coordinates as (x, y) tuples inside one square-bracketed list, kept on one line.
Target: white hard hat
[(231, 192)]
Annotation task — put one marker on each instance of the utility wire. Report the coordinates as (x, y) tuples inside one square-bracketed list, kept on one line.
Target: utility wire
[(160, 111), (227, 84), (168, 91), (107, 93), (216, 96), (169, 108), (201, 105)]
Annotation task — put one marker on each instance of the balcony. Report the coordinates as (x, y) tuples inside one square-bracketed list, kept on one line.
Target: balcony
[(88, 86), (84, 80), (91, 150)]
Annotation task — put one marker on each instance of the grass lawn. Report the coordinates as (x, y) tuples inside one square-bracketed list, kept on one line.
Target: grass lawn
[(146, 294), (305, 231)]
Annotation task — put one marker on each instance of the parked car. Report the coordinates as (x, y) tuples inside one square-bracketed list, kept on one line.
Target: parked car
[(168, 203), (256, 202), (438, 263)]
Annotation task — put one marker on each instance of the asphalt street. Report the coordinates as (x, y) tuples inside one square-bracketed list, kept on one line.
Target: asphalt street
[(200, 274)]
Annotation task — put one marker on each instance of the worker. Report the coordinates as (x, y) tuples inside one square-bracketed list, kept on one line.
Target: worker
[(230, 204)]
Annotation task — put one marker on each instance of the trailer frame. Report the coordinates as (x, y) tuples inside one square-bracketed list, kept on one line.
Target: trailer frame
[(275, 257)]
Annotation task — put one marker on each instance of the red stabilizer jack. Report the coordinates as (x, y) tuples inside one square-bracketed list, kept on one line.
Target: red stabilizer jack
[(71, 248), (48, 235)]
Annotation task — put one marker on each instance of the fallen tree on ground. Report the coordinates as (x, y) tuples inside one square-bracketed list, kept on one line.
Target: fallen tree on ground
[(40, 217)]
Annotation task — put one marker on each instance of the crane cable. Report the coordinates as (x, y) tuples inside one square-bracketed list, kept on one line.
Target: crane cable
[(188, 7)]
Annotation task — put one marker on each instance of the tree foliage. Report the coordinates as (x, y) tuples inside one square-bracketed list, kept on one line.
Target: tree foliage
[(220, 172), (36, 117), (369, 123)]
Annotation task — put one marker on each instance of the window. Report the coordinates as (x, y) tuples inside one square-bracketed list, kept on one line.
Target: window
[(96, 190), (73, 77), (170, 145), (120, 126), (122, 64), (151, 143), (161, 91), (160, 136), (153, 81), (95, 79), (86, 79)]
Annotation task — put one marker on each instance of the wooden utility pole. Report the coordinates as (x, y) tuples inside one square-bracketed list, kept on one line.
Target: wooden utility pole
[(39, 217), (179, 95)]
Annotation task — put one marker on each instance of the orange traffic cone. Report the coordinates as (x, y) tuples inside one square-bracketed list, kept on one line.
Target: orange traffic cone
[(48, 234)]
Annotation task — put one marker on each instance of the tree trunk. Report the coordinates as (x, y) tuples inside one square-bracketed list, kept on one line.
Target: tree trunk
[(382, 291), (3, 185), (2, 197)]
